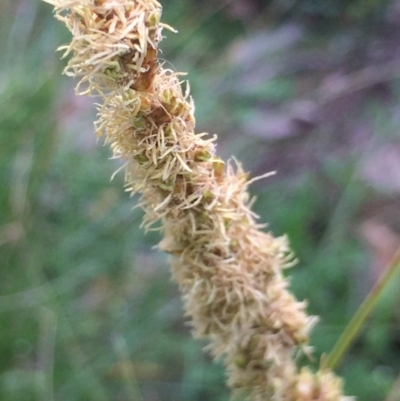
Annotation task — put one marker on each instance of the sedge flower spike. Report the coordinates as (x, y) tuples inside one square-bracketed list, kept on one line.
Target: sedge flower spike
[(229, 271)]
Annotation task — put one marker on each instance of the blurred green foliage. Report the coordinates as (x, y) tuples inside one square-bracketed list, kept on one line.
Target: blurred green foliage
[(87, 309)]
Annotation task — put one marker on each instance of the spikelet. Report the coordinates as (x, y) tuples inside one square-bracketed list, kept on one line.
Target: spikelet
[(229, 271)]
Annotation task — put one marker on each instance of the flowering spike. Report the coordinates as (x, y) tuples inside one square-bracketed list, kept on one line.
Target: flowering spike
[(229, 271)]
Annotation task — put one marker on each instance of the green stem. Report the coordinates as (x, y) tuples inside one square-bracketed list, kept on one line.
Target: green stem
[(352, 330)]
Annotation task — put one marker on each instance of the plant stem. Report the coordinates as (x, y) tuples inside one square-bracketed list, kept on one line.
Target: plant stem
[(356, 323)]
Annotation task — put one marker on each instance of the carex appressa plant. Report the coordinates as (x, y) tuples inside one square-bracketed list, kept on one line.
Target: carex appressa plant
[(229, 270)]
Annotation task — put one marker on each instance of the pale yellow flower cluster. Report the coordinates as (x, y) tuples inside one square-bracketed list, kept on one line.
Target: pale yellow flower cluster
[(230, 272)]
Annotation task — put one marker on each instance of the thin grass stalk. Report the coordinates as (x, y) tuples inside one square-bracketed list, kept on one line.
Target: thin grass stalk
[(353, 329)]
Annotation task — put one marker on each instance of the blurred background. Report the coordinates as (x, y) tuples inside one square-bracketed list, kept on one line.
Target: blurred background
[(307, 88)]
